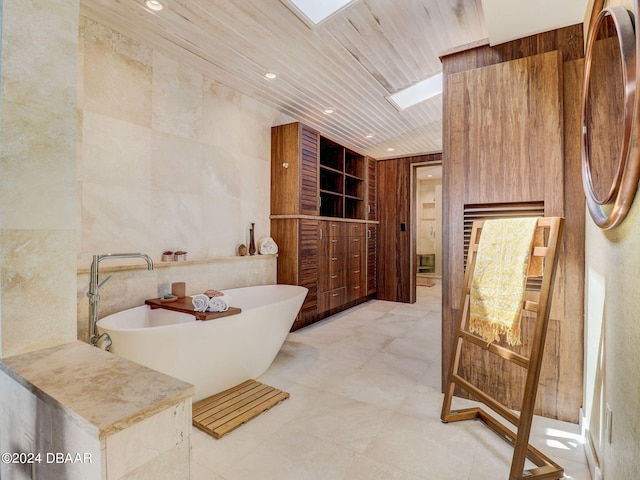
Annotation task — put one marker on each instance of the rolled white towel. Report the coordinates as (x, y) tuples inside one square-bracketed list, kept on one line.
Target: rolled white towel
[(219, 304), (200, 302)]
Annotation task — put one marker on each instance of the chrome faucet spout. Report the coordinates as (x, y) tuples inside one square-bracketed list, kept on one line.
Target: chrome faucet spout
[(94, 286)]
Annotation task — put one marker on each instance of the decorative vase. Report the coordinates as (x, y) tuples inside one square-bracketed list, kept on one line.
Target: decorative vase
[(252, 243)]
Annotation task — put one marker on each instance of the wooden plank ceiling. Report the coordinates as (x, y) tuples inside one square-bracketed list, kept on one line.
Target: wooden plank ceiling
[(351, 62)]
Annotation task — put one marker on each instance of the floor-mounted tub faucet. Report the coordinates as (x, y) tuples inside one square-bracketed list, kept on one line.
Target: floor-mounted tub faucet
[(103, 341)]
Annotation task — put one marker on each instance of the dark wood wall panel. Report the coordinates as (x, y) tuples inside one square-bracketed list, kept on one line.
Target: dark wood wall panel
[(572, 360), (512, 133), (395, 269)]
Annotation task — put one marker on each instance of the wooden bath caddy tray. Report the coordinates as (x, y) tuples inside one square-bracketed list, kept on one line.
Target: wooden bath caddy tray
[(184, 305)]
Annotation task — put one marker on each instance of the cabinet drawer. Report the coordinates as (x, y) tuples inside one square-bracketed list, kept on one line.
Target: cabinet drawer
[(355, 276), (357, 244), (331, 245), (332, 299), (331, 263), (331, 281), (356, 291), (357, 229), (355, 260), (334, 229)]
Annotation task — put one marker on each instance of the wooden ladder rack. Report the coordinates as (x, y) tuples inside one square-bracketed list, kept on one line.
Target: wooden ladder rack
[(546, 468)]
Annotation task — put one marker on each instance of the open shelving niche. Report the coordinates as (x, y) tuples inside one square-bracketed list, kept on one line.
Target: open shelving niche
[(342, 181)]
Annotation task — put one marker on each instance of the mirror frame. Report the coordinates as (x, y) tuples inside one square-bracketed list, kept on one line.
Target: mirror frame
[(611, 210)]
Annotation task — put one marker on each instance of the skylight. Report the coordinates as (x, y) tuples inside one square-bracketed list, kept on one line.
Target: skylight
[(317, 11), (417, 93)]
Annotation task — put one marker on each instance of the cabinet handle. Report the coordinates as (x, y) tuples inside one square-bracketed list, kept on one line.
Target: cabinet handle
[(356, 287), (334, 240), (356, 271), (320, 234), (356, 239), (334, 259), (368, 233), (334, 276), (357, 255), (369, 208), (335, 294)]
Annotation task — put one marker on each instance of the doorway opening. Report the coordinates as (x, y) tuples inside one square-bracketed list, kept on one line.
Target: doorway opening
[(427, 255)]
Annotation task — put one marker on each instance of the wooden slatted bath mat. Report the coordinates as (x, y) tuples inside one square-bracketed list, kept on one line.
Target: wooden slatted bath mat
[(225, 411)]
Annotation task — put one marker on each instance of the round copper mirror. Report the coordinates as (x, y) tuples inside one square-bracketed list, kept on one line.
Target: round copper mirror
[(610, 140)]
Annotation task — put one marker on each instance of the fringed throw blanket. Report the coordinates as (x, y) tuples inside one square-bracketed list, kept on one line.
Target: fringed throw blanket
[(499, 278)]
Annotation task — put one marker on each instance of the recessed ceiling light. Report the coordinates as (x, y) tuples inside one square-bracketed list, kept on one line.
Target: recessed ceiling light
[(369, 136), (155, 5), (329, 111), (270, 75), (317, 11), (417, 93), (390, 149)]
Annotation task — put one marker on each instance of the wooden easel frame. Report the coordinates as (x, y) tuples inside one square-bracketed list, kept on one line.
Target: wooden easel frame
[(546, 468)]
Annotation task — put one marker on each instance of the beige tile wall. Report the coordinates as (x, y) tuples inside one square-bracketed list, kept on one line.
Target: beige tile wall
[(169, 159), (38, 198)]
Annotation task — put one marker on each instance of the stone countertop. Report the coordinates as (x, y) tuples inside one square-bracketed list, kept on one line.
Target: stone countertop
[(105, 392)]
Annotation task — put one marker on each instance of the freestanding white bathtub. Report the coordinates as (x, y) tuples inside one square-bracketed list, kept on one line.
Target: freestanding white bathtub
[(214, 354)]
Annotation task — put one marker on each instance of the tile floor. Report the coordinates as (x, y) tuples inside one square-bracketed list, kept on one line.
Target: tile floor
[(365, 405)]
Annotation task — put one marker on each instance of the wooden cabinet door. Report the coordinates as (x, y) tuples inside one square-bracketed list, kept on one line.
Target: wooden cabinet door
[(372, 249), (372, 192), (294, 170), (309, 193), (308, 270)]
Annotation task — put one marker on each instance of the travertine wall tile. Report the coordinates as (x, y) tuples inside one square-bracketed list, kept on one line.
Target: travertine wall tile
[(117, 76), (38, 268), (37, 185), (146, 442), (31, 72), (38, 190), (193, 175), (173, 464)]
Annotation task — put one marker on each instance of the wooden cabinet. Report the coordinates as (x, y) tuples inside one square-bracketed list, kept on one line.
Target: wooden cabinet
[(323, 205), (294, 170)]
